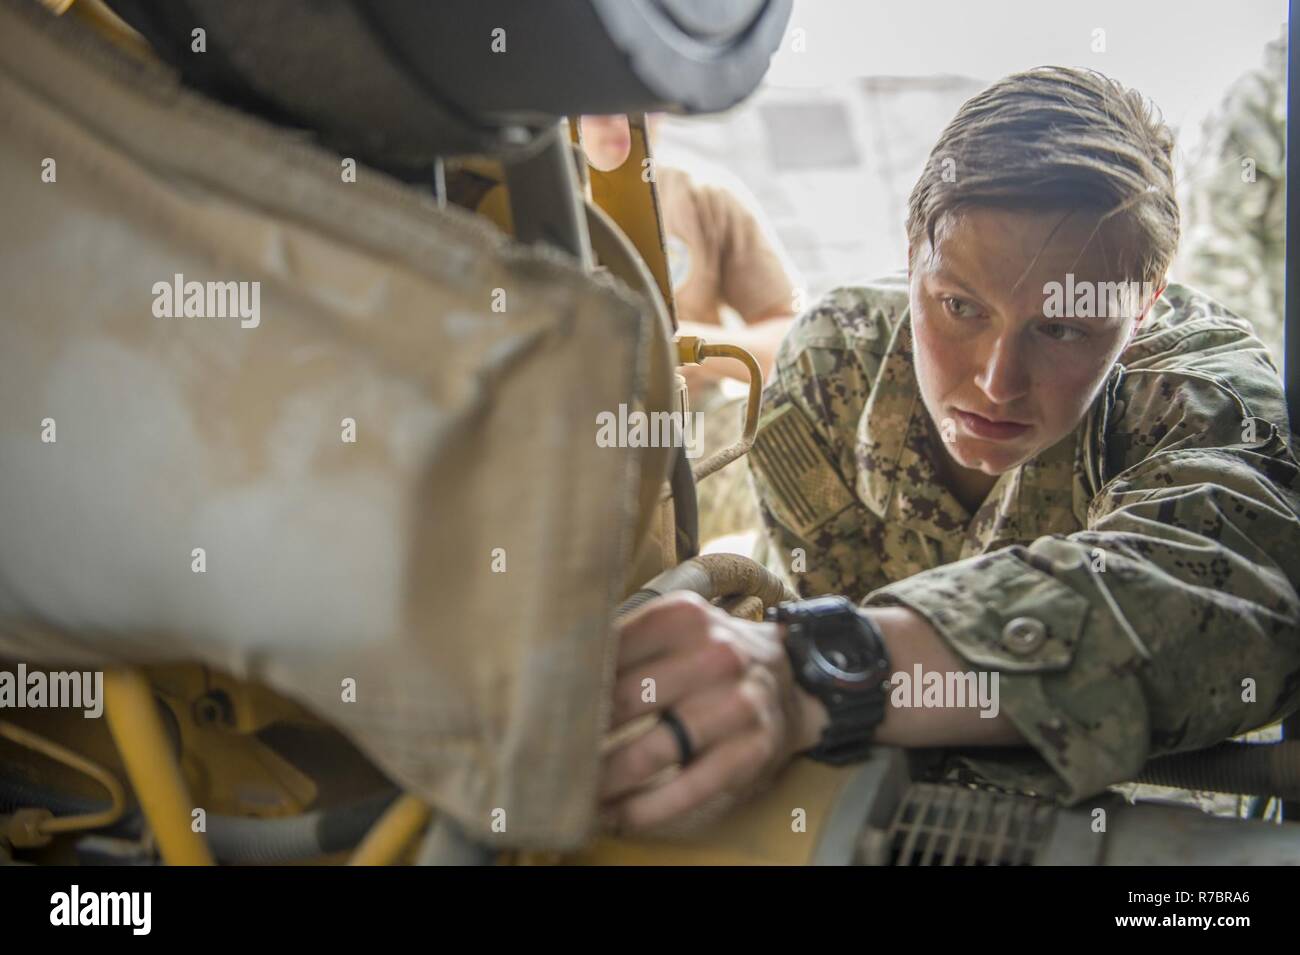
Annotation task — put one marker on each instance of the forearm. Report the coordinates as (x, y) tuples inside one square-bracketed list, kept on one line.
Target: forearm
[(911, 641)]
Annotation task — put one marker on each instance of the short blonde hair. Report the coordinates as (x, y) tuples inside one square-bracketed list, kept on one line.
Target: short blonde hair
[(1058, 138)]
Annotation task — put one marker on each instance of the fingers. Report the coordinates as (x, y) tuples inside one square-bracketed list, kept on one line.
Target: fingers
[(708, 718), (675, 678), (665, 625), (726, 680), (728, 768)]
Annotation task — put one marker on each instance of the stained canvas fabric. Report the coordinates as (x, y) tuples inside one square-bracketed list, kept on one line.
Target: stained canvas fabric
[(458, 559)]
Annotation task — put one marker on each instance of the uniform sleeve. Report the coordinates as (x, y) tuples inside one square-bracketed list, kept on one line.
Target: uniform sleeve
[(753, 276), (1172, 622)]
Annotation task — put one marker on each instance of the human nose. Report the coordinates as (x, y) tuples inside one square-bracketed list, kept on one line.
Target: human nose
[(1002, 376)]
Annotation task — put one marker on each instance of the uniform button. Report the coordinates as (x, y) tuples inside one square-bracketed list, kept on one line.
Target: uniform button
[(1023, 635)]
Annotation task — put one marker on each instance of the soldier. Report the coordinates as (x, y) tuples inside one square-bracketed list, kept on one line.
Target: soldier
[(1236, 210), (720, 252), (1097, 506)]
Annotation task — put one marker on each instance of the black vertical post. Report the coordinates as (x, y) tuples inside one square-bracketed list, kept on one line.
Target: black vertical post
[(1291, 333), (1291, 325)]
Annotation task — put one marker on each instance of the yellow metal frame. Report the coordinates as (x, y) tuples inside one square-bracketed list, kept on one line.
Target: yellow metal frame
[(106, 23), (633, 202), (156, 777), (390, 838), (133, 714)]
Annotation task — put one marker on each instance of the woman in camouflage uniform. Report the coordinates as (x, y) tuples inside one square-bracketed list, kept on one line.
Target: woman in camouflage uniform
[(1010, 465)]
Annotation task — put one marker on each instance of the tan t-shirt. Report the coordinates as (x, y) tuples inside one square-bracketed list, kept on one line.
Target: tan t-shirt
[(718, 253)]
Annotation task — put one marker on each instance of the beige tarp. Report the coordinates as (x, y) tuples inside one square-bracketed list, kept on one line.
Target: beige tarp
[(375, 560)]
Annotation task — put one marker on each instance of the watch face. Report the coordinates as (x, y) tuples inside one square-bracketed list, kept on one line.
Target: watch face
[(844, 657)]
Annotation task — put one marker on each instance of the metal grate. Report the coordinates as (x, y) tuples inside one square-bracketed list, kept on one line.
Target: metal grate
[(952, 825)]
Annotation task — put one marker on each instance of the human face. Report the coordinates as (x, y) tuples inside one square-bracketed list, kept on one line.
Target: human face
[(1002, 380), (606, 140)]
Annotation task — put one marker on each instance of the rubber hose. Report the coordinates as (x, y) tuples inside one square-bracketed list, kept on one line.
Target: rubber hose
[(736, 576), (712, 576), (1251, 769), (243, 840), (686, 507)]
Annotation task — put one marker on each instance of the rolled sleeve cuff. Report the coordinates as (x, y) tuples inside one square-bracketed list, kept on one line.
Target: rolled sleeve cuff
[(1059, 662)]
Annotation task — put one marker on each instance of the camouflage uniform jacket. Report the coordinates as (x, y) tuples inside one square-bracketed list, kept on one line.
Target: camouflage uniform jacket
[(1235, 199), (1127, 583)]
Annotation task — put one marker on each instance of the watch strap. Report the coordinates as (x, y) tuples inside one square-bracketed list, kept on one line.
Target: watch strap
[(854, 713)]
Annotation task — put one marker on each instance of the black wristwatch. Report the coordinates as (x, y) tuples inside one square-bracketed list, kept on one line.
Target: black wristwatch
[(838, 655)]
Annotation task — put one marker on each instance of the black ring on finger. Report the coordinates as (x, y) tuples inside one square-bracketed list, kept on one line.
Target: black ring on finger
[(685, 750)]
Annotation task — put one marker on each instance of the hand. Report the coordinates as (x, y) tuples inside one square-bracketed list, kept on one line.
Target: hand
[(729, 682)]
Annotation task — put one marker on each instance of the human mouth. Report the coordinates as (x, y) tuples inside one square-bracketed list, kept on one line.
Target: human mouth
[(989, 428)]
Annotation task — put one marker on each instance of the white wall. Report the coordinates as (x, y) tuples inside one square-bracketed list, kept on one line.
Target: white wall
[(899, 69)]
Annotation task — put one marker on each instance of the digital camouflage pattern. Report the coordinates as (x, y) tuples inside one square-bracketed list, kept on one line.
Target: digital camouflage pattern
[(1235, 243), (1124, 583)]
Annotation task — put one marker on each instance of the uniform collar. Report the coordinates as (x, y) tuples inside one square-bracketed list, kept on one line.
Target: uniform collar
[(1038, 498)]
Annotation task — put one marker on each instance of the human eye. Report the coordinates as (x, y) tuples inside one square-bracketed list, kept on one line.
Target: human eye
[(1061, 332), (959, 307)]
